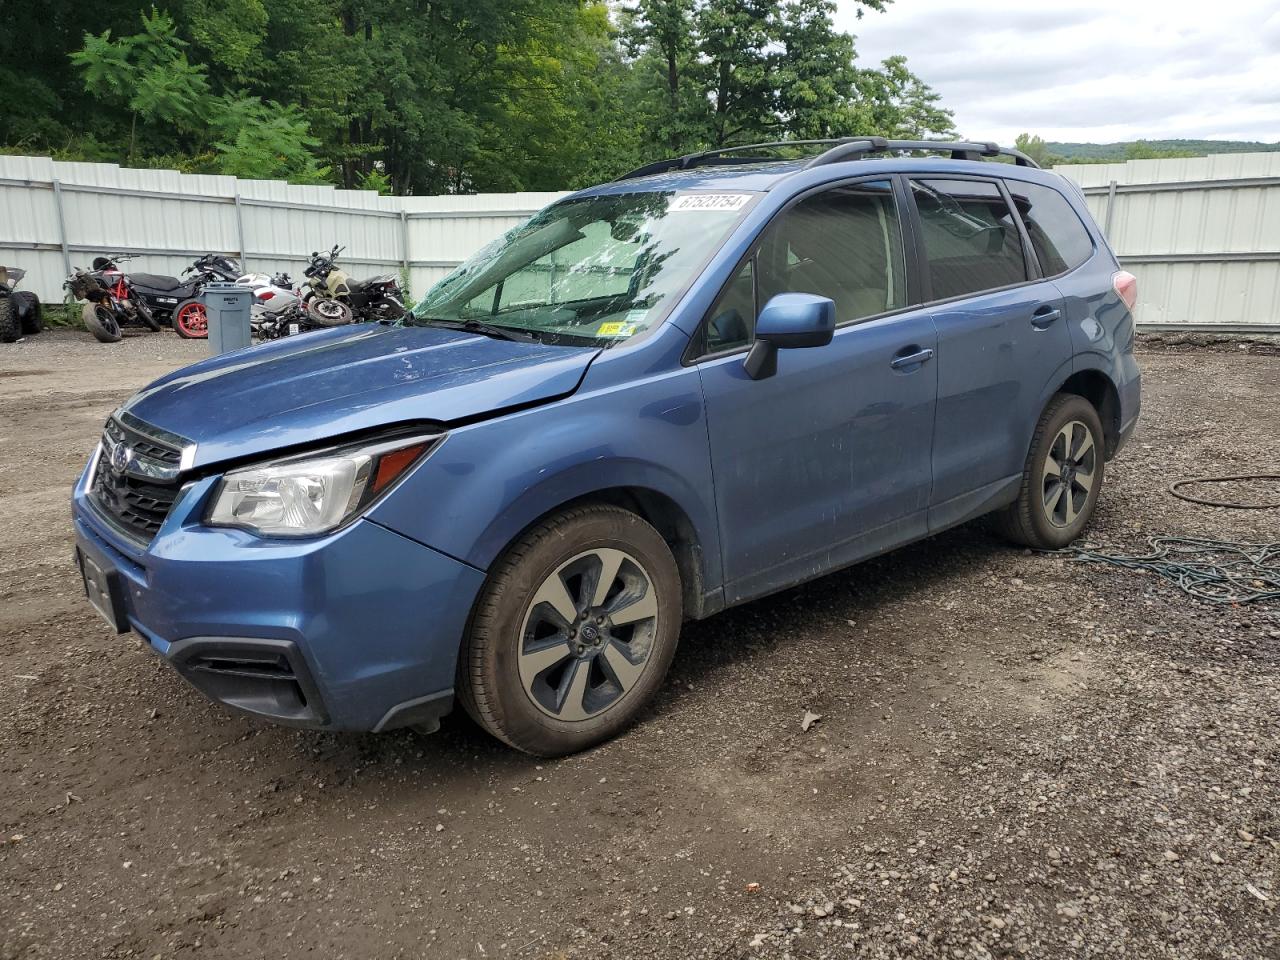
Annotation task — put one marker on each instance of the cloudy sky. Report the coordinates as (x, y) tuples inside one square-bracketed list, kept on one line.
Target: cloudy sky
[(1089, 70)]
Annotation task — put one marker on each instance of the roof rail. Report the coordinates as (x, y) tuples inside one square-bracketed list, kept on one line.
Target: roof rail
[(725, 155), (959, 150), (840, 148)]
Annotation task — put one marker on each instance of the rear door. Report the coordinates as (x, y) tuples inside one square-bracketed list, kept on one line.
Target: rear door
[(1001, 338)]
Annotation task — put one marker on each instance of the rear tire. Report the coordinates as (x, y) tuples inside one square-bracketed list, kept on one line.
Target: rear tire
[(10, 325), (191, 321), (552, 683), (1062, 477), (101, 322), (30, 311)]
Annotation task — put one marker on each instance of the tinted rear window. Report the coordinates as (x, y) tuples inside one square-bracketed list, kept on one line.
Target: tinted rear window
[(971, 239), (1059, 238)]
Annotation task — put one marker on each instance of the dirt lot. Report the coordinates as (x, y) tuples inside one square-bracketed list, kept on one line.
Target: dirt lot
[(1017, 755)]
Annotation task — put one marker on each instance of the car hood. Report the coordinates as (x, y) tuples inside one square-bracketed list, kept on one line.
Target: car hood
[(319, 385)]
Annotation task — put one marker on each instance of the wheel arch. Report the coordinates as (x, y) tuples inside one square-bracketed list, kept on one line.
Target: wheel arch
[(1095, 386), (665, 514)]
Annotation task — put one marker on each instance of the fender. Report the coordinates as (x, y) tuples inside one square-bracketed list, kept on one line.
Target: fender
[(490, 480)]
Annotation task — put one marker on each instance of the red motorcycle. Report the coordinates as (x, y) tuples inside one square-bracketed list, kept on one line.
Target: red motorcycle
[(112, 302)]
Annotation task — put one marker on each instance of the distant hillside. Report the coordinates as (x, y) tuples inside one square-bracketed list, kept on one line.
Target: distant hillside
[(1096, 152)]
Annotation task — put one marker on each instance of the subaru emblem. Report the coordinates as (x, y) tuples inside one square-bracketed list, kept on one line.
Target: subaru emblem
[(121, 457)]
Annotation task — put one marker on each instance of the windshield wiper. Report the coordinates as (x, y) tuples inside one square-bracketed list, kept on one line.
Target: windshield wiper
[(480, 327)]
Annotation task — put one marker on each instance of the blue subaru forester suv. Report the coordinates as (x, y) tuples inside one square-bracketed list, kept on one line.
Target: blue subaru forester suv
[(712, 379)]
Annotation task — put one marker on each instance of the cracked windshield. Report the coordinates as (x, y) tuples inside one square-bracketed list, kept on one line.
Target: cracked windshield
[(595, 270)]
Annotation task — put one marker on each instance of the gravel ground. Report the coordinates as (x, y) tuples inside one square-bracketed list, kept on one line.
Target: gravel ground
[(1017, 755)]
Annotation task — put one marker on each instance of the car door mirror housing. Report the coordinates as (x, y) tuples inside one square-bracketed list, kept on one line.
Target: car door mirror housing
[(789, 320)]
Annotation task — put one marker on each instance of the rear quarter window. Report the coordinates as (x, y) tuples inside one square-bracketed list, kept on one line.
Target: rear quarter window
[(1058, 236)]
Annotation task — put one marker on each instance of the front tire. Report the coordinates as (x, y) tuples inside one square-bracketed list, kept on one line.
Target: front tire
[(329, 313), (1062, 477), (573, 631), (101, 322), (145, 316)]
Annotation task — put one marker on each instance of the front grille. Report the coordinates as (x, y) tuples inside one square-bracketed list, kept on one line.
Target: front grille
[(142, 446), (137, 492), (138, 506)]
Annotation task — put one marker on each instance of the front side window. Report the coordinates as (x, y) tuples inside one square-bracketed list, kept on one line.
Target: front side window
[(971, 240), (844, 244), (1057, 234), (595, 270)]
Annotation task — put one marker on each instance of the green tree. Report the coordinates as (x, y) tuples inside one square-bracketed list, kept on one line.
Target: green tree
[(903, 106), (229, 34), (431, 96), (815, 74), (1145, 150), (661, 31), (264, 141), (1034, 147), (148, 73), (734, 67), (736, 71)]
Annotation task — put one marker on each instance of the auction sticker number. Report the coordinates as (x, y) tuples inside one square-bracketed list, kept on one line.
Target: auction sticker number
[(695, 202)]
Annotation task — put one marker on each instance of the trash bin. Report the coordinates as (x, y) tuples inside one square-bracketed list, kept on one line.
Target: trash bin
[(227, 307)]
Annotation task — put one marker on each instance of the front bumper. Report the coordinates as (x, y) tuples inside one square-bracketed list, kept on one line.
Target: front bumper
[(357, 630)]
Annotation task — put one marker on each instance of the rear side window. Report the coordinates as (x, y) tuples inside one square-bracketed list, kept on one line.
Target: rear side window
[(971, 240), (1058, 237)]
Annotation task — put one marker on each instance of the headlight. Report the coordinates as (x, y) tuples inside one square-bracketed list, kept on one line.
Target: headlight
[(308, 496)]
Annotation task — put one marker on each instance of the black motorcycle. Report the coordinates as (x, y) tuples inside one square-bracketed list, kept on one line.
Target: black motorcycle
[(112, 303), (172, 300)]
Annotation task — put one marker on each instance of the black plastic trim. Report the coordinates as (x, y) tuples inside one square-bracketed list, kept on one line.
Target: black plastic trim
[(289, 697), (421, 713)]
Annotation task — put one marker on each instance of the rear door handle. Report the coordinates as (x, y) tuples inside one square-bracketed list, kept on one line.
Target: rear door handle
[(1045, 316), (916, 356)]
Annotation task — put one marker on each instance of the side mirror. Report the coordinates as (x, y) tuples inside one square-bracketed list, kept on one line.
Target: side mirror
[(789, 320)]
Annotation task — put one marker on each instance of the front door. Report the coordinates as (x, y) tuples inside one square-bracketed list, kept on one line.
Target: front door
[(828, 460)]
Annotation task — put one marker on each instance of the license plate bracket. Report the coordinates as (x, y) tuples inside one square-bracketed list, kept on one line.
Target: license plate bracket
[(104, 590)]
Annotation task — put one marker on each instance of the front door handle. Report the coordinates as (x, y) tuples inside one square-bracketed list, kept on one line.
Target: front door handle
[(1045, 316), (916, 356)]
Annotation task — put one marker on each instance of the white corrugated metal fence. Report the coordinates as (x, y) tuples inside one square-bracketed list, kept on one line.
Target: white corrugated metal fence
[(1202, 235)]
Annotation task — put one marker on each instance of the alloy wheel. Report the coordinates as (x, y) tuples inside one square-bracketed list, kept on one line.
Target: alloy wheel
[(587, 634), (1068, 475), (194, 321)]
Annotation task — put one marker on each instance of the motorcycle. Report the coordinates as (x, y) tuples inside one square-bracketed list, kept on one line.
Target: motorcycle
[(175, 300), (112, 303), (378, 298), (20, 310), (277, 309)]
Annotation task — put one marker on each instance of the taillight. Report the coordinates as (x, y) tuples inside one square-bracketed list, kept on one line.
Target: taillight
[(1126, 287)]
